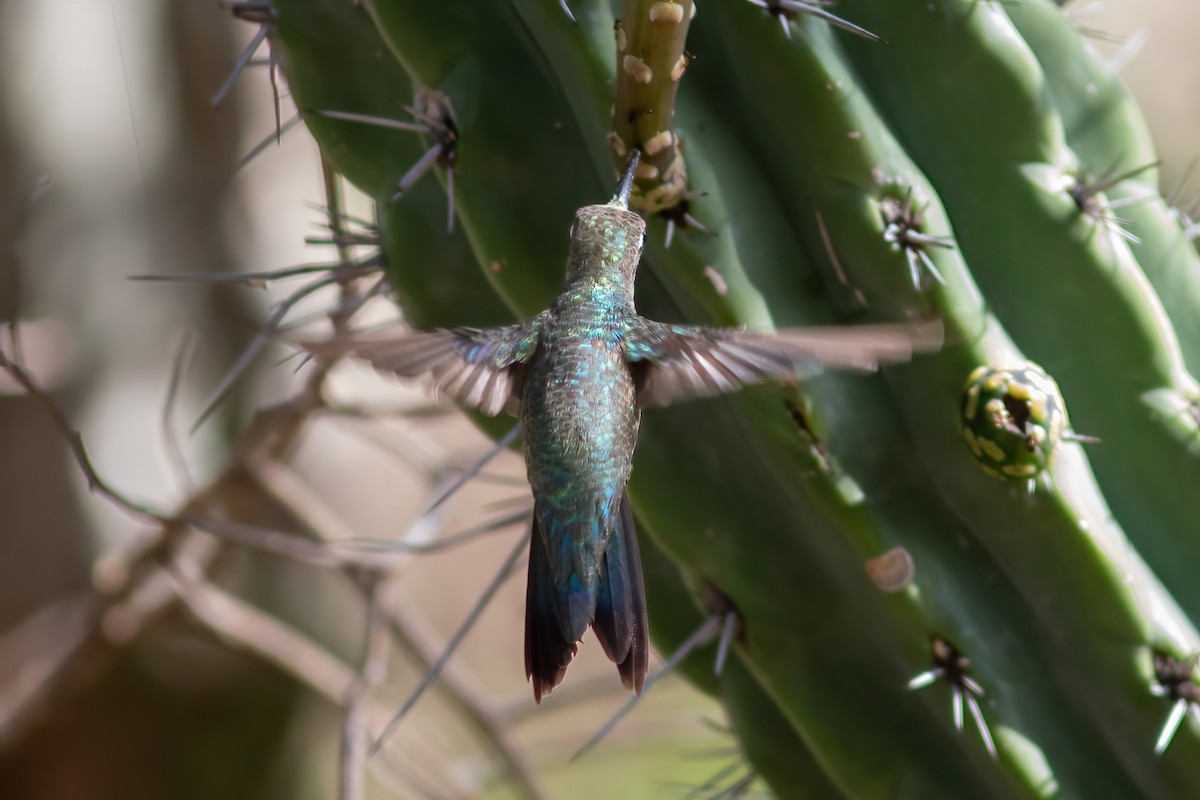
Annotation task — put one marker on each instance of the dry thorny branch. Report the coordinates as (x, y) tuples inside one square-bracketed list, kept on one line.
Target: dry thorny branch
[(171, 566)]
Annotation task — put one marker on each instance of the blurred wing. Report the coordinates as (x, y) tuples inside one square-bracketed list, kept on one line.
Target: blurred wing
[(480, 368), (680, 362)]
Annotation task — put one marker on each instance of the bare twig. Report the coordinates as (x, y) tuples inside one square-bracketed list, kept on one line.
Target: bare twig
[(97, 484), (174, 448), (366, 554), (267, 637), (705, 634), (261, 339), (423, 646), (501, 443), (252, 279), (435, 669), (356, 734), (567, 696), (56, 634), (169, 567), (130, 592)]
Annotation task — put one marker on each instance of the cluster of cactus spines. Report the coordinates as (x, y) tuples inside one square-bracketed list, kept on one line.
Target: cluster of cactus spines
[(1177, 682), (787, 10), (1104, 127), (951, 667), (845, 521), (433, 116), (905, 231)]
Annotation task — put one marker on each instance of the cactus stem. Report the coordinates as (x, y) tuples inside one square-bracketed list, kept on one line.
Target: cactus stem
[(949, 665), (787, 10), (651, 60)]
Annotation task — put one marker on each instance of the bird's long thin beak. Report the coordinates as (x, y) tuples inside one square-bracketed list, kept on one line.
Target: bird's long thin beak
[(621, 198)]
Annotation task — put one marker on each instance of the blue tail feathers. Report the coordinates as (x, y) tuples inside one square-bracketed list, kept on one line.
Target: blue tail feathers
[(620, 622), (615, 607)]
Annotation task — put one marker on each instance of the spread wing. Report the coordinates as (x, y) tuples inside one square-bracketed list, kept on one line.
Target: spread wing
[(480, 368), (680, 362)]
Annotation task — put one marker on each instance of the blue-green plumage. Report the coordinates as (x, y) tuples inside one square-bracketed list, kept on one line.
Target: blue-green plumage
[(580, 373), (580, 418)]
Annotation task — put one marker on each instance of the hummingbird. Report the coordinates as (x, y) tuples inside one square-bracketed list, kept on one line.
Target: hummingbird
[(579, 375)]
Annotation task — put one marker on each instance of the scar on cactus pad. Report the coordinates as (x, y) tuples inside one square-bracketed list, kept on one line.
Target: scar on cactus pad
[(892, 571), (1013, 420)]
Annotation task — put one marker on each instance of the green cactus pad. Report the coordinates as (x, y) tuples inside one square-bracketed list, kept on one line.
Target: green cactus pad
[(842, 180)]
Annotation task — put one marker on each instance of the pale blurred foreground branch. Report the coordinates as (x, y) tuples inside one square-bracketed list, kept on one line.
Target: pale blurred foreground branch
[(170, 567)]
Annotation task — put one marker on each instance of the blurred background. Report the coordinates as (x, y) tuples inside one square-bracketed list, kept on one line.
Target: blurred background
[(114, 163)]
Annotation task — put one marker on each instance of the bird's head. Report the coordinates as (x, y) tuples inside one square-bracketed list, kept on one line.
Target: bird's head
[(607, 240)]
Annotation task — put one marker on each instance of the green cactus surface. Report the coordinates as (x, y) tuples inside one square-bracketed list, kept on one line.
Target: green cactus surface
[(954, 170)]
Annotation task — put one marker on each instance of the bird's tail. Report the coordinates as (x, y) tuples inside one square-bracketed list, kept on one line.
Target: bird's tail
[(619, 616)]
